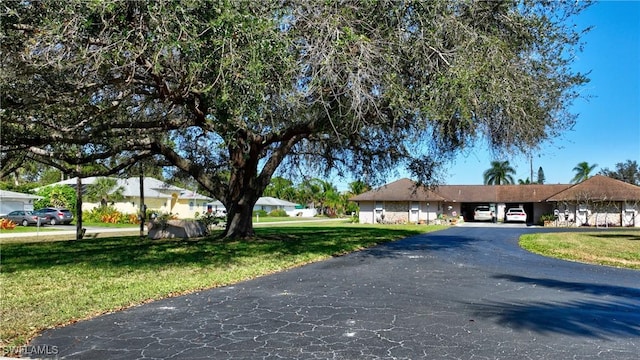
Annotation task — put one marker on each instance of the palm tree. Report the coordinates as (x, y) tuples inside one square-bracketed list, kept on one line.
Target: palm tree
[(310, 192), (104, 190), (499, 173), (524, 182), (358, 187), (281, 188), (582, 171)]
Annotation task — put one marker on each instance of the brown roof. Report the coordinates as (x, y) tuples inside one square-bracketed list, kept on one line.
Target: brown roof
[(499, 193), (468, 193), (400, 190), (530, 192), (599, 187)]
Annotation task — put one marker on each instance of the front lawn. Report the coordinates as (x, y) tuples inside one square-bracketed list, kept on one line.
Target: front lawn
[(98, 275), (620, 248), (27, 229)]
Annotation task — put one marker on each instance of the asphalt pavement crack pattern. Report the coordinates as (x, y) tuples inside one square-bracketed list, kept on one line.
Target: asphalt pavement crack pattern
[(462, 293)]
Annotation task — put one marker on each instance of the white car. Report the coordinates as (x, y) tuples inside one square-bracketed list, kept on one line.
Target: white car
[(516, 214), (482, 213)]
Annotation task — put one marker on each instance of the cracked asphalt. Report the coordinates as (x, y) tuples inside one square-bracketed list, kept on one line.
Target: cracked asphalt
[(461, 293)]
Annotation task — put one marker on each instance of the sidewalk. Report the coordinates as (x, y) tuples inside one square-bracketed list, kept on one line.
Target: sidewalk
[(66, 230), (71, 229)]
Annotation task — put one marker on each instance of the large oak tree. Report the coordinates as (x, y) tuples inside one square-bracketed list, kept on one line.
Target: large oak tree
[(229, 91)]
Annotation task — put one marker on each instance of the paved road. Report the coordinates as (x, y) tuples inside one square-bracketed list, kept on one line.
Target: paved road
[(461, 293)]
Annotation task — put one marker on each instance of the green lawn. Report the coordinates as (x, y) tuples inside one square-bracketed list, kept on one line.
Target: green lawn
[(27, 229), (620, 248), (98, 275)]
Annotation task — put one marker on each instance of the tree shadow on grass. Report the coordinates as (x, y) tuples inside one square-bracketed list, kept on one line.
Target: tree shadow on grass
[(632, 237), (136, 253), (128, 251)]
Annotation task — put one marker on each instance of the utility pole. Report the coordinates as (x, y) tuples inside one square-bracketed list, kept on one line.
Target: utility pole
[(531, 167)]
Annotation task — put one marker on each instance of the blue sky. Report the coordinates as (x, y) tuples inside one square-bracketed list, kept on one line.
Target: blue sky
[(607, 130)]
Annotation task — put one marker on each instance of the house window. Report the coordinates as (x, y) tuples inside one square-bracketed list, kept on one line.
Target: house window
[(379, 207), (190, 205)]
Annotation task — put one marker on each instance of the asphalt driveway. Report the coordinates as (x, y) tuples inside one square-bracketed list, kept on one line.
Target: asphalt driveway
[(462, 293)]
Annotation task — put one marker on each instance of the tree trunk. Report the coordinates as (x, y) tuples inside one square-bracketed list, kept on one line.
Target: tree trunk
[(79, 229), (239, 218), (244, 188)]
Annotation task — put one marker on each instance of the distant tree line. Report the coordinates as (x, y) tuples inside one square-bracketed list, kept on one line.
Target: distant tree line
[(501, 173)]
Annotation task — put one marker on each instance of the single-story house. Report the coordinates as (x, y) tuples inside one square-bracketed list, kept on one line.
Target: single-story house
[(158, 195), (269, 204), (12, 201), (599, 200)]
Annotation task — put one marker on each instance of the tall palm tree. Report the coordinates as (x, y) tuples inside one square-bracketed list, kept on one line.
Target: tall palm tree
[(499, 173), (583, 171)]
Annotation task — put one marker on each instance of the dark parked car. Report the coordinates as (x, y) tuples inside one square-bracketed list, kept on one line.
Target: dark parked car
[(55, 215), (24, 218)]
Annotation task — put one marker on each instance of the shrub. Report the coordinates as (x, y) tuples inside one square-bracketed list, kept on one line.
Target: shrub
[(106, 214), (278, 213), (210, 219), (133, 219), (6, 224), (547, 217), (260, 213), (58, 196)]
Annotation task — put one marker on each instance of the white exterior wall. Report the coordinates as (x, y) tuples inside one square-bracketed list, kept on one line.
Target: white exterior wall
[(405, 211), (10, 202), (305, 213), (384, 212), (428, 213), (630, 214), (182, 208), (7, 206), (618, 214), (366, 214), (270, 208)]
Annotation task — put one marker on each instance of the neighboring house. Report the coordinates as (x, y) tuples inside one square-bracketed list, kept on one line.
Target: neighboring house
[(11, 201), (269, 204), (158, 195), (606, 201)]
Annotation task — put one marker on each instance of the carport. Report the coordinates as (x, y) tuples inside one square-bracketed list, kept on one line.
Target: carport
[(528, 208), (467, 209)]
